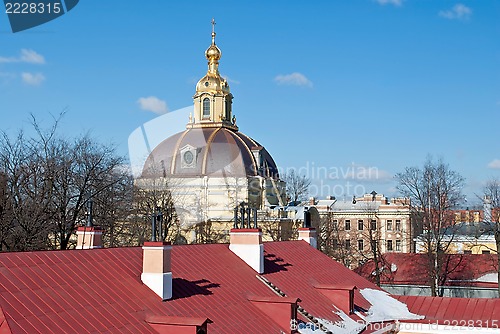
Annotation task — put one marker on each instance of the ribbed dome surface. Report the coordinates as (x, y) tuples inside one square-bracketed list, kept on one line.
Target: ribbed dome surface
[(212, 151)]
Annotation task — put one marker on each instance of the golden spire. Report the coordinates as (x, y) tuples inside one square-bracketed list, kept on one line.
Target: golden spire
[(213, 31), (213, 54)]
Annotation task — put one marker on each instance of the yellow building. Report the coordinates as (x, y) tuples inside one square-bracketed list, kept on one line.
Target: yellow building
[(351, 228), (466, 238)]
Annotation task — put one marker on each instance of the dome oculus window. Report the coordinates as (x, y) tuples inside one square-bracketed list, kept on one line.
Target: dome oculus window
[(206, 107), (188, 157)]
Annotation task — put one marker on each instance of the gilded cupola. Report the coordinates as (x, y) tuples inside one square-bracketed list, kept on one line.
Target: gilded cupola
[(213, 99)]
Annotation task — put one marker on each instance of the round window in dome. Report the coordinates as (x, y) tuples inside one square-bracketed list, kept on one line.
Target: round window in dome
[(188, 157)]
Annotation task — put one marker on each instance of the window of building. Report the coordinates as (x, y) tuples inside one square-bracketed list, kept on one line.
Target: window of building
[(373, 225), (347, 225), (389, 225), (360, 225), (373, 243), (389, 245), (335, 224), (485, 252), (348, 244), (206, 107), (360, 245), (467, 252), (398, 245), (398, 225), (335, 244)]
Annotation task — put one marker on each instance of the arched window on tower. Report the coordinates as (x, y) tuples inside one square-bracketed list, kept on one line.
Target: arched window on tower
[(206, 107)]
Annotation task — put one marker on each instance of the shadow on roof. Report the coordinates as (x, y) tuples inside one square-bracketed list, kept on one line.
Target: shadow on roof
[(183, 288), (272, 264)]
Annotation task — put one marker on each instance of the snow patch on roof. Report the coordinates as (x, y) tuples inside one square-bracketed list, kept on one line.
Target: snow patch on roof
[(490, 278), (394, 267), (385, 308)]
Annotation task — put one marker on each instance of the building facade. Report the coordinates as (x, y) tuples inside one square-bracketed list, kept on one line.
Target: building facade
[(354, 231)]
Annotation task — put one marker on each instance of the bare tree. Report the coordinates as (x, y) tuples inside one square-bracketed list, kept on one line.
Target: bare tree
[(297, 186), (155, 197), (434, 191), (492, 205), (332, 239), (27, 194), (48, 183), (373, 236)]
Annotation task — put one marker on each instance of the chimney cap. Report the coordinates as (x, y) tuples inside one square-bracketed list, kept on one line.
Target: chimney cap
[(156, 243)]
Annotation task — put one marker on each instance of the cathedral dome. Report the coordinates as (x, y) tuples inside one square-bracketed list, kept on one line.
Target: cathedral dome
[(214, 84), (212, 151)]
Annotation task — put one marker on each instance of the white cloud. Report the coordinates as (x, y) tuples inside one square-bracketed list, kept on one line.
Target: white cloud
[(293, 79), (26, 56), (390, 2), (154, 104), (495, 164), (458, 12), (33, 79), (30, 56)]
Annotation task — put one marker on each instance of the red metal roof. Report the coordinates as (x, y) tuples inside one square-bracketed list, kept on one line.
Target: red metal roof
[(410, 268), (100, 290), (445, 310)]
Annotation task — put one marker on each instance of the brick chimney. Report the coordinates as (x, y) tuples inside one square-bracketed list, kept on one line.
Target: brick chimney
[(156, 268), (89, 237), (309, 235), (247, 244)]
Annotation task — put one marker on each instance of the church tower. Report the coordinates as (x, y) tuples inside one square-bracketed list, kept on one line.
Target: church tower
[(211, 166), (213, 99)]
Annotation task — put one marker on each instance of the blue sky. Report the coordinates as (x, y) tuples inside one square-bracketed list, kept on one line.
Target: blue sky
[(341, 86)]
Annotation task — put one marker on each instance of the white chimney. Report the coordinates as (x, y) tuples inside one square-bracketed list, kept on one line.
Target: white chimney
[(89, 237), (309, 235), (247, 244), (156, 268)]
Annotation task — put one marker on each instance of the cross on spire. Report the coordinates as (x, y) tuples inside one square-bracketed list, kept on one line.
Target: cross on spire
[(213, 31)]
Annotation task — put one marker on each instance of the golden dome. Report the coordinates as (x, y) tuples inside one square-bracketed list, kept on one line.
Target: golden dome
[(212, 82), (213, 52)]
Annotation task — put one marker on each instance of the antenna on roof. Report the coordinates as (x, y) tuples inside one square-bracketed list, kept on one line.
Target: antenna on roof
[(307, 218), (156, 225), (90, 218), (243, 216)]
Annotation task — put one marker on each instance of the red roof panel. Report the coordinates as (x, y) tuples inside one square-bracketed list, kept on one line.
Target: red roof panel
[(101, 291), (477, 309)]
